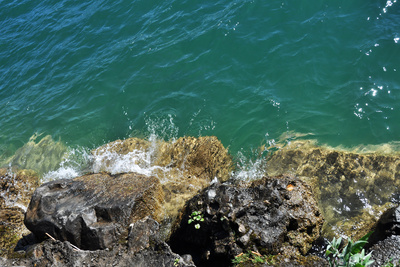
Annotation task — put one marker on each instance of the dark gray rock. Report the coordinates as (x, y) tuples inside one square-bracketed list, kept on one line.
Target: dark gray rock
[(386, 250), (144, 247), (275, 215), (93, 211), (387, 225), (384, 242)]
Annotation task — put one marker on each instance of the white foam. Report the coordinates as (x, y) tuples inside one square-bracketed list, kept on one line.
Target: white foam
[(248, 169)]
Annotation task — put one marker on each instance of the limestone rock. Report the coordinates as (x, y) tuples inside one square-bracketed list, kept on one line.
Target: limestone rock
[(351, 187), (203, 157), (16, 190), (275, 215), (93, 211)]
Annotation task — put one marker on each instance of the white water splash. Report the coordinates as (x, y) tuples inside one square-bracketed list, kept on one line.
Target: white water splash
[(249, 169)]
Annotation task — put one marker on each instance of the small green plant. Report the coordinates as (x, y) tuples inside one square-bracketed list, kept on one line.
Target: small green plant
[(196, 217), (391, 264), (252, 257), (352, 255), (176, 262)]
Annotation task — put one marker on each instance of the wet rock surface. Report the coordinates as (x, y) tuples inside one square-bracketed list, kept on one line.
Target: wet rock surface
[(184, 166), (275, 215), (93, 211), (203, 157), (352, 188), (16, 190)]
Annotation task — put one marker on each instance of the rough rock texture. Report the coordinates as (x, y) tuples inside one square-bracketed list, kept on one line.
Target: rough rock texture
[(203, 157), (143, 248), (93, 211), (271, 216), (351, 187), (16, 190), (184, 166), (386, 250), (385, 240), (387, 225)]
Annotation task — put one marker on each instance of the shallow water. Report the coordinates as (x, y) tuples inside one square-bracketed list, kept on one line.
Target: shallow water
[(245, 71)]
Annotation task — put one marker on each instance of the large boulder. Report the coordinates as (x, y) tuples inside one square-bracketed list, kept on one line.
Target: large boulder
[(274, 215), (93, 211)]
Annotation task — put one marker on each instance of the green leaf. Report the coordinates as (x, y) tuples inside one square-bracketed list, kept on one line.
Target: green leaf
[(197, 226), (357, 246), (360, 243), (190, 221)]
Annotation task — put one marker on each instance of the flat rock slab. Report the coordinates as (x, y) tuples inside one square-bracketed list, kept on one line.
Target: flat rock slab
[(93, 211)]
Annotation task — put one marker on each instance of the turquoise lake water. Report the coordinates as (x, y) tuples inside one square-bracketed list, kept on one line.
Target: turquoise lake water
[(248, 72)]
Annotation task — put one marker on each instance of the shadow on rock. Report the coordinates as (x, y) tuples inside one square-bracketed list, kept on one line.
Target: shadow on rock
[(274, 216)]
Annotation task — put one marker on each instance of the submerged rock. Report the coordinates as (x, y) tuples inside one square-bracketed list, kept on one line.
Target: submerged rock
[(203, 157), (275, 215), (93, 211), (42, 156), (16, 190), (353, 189)]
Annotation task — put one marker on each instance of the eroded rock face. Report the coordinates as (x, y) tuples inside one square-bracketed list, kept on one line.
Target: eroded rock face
[(16, 190), (271, 216), (143, 248), (93, 211)]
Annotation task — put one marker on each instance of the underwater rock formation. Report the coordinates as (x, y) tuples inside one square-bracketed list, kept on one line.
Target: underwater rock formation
[(93, 211), (42, 156), (15, 193), (352, 189), (203, 157), (274, 215)]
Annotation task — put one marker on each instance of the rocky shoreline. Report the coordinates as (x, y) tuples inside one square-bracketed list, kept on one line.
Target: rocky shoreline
[(191, 213)]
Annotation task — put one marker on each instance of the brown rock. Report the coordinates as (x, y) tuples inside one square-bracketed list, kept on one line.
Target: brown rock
[(16, 191)]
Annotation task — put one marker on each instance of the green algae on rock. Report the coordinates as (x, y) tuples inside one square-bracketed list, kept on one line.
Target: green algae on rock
[(16, 191), (42, 157), (202, 157), (352, 188)]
